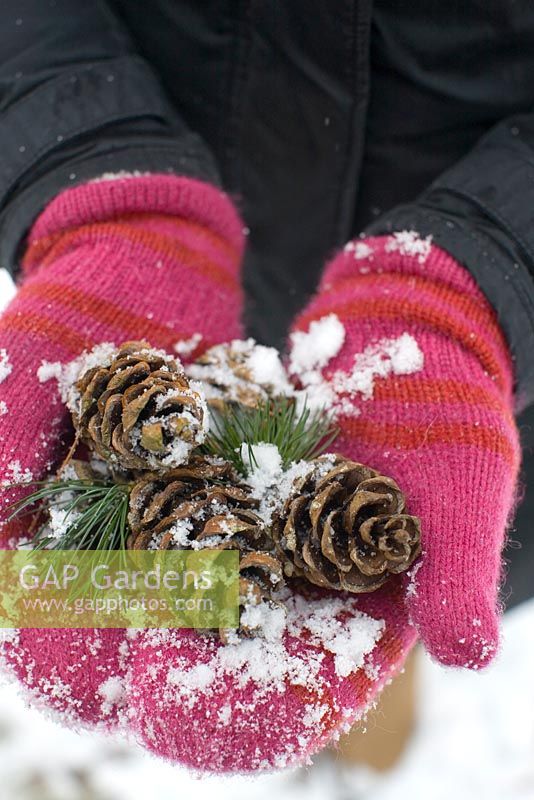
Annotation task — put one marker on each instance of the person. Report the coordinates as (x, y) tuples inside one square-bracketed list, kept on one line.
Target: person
[(122, 123)]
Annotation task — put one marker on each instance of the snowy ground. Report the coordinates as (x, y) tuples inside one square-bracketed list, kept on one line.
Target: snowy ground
[(475, 741)]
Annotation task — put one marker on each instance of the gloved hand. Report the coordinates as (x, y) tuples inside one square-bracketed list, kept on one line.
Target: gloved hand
[(188, 703), (154, 257), (158, 257), (444, 428), (423, 382)]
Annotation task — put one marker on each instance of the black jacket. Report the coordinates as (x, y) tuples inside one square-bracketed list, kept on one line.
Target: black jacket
[(321, 118)]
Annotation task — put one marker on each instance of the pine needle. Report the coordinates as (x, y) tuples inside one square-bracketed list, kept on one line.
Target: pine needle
[(95, 514), (297, 434)]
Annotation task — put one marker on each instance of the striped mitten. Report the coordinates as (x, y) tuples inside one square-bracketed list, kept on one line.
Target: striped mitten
[(428, 400)]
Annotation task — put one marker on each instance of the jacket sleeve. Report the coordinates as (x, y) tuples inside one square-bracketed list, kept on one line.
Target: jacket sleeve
[(482, 212), (77, 101)]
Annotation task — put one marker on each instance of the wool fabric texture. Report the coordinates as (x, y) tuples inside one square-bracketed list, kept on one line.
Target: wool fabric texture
[(446, 433), (106, 262), (158, 257), (153, 257)]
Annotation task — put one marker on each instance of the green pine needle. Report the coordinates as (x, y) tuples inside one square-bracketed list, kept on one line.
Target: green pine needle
[(96, 514), (297, 435)]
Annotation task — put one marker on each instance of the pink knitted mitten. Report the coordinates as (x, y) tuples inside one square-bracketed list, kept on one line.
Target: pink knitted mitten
[(158, 257), (155, 257), (258, 704), (430, 403), (423, 385), (152, 257)]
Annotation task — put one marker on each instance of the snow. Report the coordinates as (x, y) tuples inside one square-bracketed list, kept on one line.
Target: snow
[(398, 356), (475, 735), (409, 243), (266, 665), (239, 368), (66, 375), (119, 175), (271, 621), (264, 466), (349, 640), (269, 482), (359, 249), (112, 692), (225, 715), (184, 347), (411, 588), (179, 451), (405, 355), (60, 521), (313, 349), (180, 532), (15, 473), (198, 677), (48, 370), (267, 369), (474, 739), (5, 366)]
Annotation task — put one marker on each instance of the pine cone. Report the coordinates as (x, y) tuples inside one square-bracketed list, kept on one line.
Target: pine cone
[(260, 573), (240, 372), (344, 527), (201, 502), (94, 470), (140, 411)]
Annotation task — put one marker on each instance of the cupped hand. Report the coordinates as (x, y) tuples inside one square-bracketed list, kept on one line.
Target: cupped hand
[(153, 258), (424, 384)]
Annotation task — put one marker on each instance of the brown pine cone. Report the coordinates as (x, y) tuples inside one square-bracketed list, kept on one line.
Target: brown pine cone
[(232, 374), (260, 574), (140, 411), (201, 502), (344, 527)]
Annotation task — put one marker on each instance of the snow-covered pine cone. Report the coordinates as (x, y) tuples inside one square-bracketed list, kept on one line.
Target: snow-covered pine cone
[(203, 503), (260, 574), (344, 527), (139, 409), (240, 372), (200, 502)]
